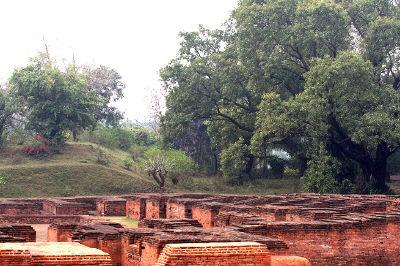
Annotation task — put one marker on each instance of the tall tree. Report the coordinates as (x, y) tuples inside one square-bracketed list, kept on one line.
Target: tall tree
[(272, 48), (349, 105), (108, 85), (7, 112), (206, 83), (54, 101)]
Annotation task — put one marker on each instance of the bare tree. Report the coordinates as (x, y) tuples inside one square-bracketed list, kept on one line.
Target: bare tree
[(158, 167)]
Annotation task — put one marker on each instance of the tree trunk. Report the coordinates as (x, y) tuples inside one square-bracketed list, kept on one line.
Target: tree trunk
[(378, 175), (375, 172), (249, 166), (75, 135), (302, 165)]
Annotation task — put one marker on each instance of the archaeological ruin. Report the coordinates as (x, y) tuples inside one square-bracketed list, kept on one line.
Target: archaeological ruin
[(202, 229)]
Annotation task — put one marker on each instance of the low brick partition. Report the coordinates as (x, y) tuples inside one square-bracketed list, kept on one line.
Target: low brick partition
[(64, 207), (17, 232), (111, 207), (222, 254), (46, 254)]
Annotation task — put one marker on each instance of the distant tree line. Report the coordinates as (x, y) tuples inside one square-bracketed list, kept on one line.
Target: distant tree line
[(306, 88)]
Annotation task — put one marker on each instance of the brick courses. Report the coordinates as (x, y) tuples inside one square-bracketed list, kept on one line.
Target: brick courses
[(326, 229)]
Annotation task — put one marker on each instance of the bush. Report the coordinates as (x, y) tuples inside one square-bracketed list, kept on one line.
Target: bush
[(37, 147), (102, 157), (179, 162), (19, 136), (127, 164), (290, 172), (120, 138), (137, 152), (233, 160), (320, 175)]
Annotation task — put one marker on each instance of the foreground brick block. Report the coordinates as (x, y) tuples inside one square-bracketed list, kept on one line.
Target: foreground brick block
[(222, 254), (45, 254)]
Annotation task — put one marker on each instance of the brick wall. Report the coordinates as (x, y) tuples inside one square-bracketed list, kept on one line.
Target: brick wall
[(112, 246), (136, 208), (222, 254), (60, 232), (112, 207), (15, 257), (156, 207), (204, 215), (175, 210), (346, 245), (150, 254)]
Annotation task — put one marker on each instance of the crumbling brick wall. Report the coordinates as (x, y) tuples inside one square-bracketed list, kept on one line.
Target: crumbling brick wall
[(222, 254)]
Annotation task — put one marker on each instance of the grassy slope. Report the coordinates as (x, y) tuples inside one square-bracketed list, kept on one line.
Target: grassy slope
[(74, 172), (220, 185)]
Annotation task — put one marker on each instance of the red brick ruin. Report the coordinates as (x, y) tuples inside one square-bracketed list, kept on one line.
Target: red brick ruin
[(203, 229)]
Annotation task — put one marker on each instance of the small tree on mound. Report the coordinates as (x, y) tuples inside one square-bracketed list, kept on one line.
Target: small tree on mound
[(158, 167)]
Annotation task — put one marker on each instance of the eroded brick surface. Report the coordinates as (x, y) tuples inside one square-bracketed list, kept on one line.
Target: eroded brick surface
[(325, 229)]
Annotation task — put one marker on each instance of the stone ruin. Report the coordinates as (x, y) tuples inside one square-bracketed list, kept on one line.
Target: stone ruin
[(203, 229)]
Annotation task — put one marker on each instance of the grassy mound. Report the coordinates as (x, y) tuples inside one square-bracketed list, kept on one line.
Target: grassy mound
[(74, 172)]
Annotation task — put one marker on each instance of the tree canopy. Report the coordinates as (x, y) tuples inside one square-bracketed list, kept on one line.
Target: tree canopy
[(316, 79), (54, 101)]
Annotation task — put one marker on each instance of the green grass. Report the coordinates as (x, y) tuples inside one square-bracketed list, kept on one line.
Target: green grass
[(74, 172), (125, 221), (221, 185)]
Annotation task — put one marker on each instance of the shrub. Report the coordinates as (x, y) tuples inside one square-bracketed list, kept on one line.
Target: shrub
[(290, 172), (180, 163), (233, 160), (19, 136), (137, 152), (127, 164), (120, 138), (320, 175), (102, 157), (38, 146)]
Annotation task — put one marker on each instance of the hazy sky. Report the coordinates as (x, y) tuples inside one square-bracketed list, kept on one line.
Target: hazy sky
[(135, 37)]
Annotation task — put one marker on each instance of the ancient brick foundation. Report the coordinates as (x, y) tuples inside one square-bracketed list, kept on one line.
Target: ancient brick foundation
[(294, 229)]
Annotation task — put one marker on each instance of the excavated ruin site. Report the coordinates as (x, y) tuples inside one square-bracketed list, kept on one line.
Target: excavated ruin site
[(202, 229)]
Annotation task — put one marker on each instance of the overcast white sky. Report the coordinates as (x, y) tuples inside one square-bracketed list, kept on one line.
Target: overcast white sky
[(135, 37)]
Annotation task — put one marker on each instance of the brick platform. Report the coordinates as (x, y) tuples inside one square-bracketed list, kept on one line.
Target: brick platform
[(222, 254), (40, 253)]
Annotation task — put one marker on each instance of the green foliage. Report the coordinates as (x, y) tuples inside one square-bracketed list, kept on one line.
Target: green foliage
[(179, 163), (290, 172), (19, 136), (320, 175), (103, 157), (137, 152), (121, 138), (54, 101), (7, 110), (127, 163), (108, 85), (3, 180), (233, 159)]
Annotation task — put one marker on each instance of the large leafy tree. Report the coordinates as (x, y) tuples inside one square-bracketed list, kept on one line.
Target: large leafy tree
[(318, 79), (344, 111), (349, 107), (206, 84), (219, 77), (54, 101)]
